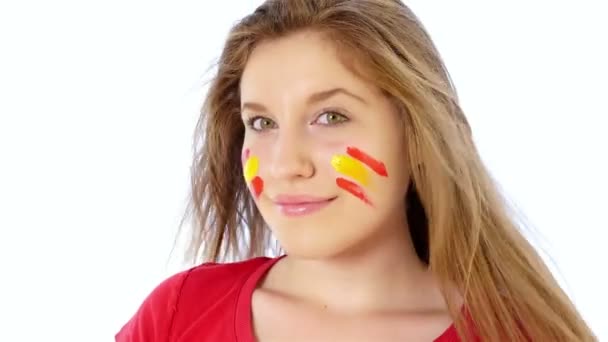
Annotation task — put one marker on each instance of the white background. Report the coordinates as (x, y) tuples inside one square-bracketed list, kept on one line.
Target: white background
[(98, 103)]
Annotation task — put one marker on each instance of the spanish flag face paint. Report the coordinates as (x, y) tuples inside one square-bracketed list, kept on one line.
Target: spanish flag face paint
[(359, 168), (251, 165), (352, 168)]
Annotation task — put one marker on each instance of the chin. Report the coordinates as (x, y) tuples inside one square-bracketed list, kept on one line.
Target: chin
[(307, 244), (324, 234)]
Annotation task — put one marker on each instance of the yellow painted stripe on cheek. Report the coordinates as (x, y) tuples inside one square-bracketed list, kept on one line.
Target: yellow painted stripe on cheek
[(351, 167), (251, 168)]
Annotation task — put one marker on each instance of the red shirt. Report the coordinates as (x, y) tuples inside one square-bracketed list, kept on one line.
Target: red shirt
[(207, 303)]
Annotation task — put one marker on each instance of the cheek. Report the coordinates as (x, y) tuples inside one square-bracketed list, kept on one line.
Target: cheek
[(251, 168), (358, 172), (354, 189), (257, 186), (245, 155), (372, 163)]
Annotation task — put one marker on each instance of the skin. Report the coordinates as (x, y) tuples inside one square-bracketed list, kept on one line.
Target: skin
[(351, 272)]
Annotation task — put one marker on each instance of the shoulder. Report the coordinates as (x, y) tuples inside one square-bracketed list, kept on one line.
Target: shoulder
[(224, 272), (180, 298), (209, 280)]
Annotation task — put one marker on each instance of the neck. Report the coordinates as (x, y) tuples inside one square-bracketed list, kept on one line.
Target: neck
[(386, 276)]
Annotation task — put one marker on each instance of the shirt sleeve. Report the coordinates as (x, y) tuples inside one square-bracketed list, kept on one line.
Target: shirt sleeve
[(153, 320)]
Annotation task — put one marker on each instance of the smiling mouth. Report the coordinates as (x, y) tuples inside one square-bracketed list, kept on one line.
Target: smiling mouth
[(294, 206)]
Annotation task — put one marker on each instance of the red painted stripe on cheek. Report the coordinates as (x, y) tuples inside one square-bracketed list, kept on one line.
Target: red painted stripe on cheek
[(353, 188), (374, 164), (258, 186)]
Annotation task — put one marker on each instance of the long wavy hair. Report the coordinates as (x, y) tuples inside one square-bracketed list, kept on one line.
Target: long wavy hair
[(460, 223)]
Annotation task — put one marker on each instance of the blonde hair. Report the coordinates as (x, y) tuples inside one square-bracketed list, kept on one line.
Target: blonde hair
[(460, 224)]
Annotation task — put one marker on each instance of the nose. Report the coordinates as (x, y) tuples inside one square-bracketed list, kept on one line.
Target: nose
[(291, 157)]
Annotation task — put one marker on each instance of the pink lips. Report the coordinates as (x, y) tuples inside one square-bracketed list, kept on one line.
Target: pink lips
[(300, 205)]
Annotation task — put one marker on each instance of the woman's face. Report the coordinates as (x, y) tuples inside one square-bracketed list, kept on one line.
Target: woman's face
[(324, 152)]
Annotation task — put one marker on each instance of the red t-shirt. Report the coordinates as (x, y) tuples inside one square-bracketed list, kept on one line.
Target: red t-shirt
[(207, 303)]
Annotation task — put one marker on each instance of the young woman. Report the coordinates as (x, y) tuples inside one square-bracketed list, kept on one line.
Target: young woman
[(333, 125)]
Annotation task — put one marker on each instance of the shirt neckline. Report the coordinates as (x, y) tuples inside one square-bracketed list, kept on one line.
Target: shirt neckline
[(243, 326)]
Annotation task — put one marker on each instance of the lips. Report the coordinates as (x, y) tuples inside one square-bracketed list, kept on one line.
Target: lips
[(299, 205)]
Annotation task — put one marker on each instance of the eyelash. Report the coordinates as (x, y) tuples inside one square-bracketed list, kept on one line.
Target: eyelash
[(250, 121)]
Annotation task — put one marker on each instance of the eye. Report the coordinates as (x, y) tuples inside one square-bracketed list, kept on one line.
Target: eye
[(330, 118), (260, 123)]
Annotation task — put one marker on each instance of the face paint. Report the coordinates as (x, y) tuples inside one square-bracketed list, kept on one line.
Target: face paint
[(250, 170), (351, 167), (258, 185), (372, 163), (353, 188)]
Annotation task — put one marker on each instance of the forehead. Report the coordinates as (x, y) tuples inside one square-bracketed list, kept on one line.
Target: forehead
[(299, 64)]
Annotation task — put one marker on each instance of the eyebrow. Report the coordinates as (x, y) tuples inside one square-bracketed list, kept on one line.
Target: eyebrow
[(314, 98)]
